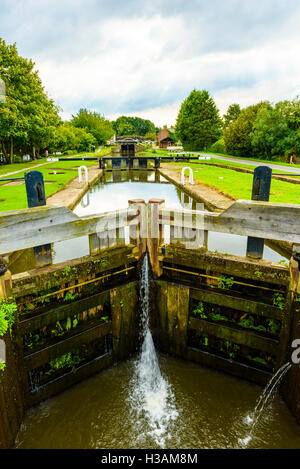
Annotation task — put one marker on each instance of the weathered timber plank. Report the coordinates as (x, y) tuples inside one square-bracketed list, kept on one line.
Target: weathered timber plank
[(26, 234), (27, 283), (49, 353), (236, 266), (36, 216), (245, 217), (69, 379), (229, 366), (242, 337), (61, 312), (248, 306)]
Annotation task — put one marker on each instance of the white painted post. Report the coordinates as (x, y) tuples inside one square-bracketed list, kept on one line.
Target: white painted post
[(191, 180), (80, 174)]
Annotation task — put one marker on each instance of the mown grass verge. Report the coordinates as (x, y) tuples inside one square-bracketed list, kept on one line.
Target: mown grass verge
[(239, 185)]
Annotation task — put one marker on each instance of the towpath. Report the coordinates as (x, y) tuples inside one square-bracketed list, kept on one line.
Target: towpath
[(288, 169)]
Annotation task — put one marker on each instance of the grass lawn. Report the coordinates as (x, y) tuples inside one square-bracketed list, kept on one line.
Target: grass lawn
[(13, 197), (239, 185)]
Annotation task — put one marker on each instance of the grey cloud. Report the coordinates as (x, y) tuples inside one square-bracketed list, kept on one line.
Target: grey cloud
[(67, 27)]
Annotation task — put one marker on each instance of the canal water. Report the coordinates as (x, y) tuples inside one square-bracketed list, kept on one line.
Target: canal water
[(114, 191), (212, 412)]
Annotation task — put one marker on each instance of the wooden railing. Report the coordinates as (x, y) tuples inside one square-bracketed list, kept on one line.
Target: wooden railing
[(39, 226)]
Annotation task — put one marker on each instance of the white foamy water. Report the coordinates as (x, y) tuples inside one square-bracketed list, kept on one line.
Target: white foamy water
[(152, 400), (263, 399)]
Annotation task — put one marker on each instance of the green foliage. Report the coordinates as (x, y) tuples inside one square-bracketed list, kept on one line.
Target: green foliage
[(105, 319), (231, 115), (276, 131), (69, 296), (69, 360), (229, 348), (27, 117), (264, 131), (225, 282), (102, 262), (274, 326), (249, 323), (218, 147), (58, 331), (150, 136), (125, 125), (217, 317), (258, 274), (2, 366), (69, 139), (237, 135), (94, 124), (199, 311), (198, 123), (260, 360), (278, 300), (283, 262), (8, 310)]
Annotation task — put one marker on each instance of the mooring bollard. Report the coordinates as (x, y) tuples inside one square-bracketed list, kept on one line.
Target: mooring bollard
[(260, 191), (36, 197), (35, 189)]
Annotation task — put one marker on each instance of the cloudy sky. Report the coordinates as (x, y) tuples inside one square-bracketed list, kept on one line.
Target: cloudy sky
[(140, 57)]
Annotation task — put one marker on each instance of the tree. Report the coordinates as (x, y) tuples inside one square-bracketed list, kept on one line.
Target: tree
[(95, 124), (126, 125), (27, 116), (67, 137), (237, 135), (231, 115), (276, 130), (198, 123)]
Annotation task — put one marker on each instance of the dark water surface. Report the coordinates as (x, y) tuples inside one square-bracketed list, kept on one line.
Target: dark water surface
[(212, 408)]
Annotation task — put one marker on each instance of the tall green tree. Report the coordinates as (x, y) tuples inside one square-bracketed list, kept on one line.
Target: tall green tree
[(198, 123), (27, 116)]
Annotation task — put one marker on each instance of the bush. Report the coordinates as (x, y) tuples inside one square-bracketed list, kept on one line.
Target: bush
[(218, 147), (238, 135)]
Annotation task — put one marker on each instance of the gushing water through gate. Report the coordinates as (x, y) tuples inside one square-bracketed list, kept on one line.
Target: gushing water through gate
[(263, 400), (152, 400)]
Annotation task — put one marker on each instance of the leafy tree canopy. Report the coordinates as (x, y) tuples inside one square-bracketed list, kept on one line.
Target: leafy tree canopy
[(198, 123), (27, 116), (126, 125), (94, 123), (237, 136), (276, 130), (232, 114)]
